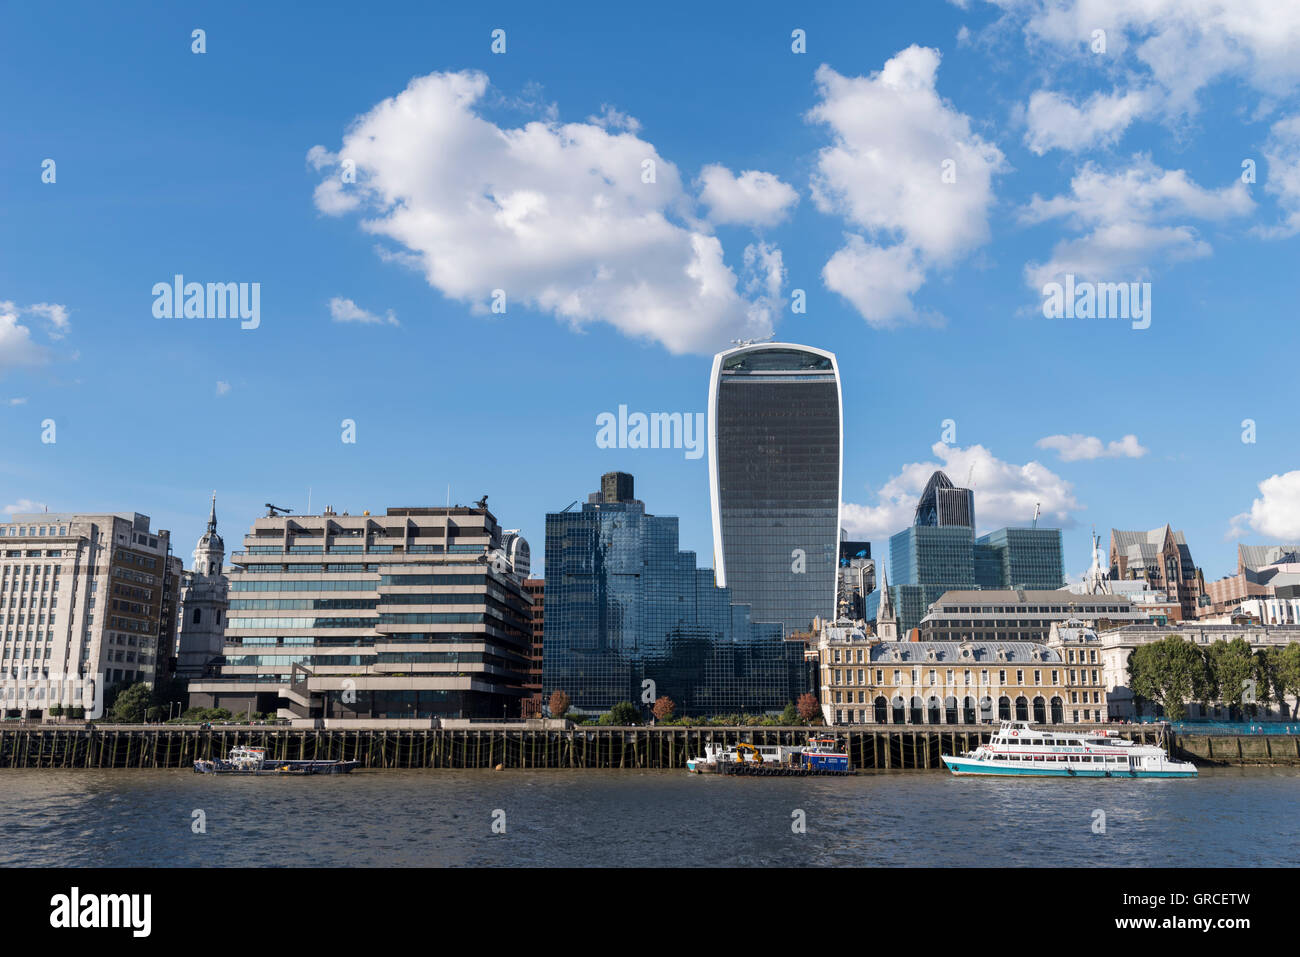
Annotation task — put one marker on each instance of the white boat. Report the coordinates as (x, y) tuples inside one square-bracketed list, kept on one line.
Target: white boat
[(1018, 749), (248, 760), (717, 755)]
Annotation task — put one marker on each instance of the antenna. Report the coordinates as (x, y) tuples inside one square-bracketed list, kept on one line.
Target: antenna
[(308, 499), (1038, 507)]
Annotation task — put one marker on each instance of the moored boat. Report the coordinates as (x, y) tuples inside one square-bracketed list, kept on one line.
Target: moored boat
[(1016, 749), (253, 761)]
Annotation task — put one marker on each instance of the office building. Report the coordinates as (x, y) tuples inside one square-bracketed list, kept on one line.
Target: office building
[(630, 617), (1161, 558), (1019, 615), (1263, 572), (337, 620), (87, 602), (775, 447), (857, 578), (935, 554), (1020, 558)]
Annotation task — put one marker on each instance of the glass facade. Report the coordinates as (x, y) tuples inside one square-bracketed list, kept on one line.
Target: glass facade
[(775, 444), (1029, 558), (624, 605)]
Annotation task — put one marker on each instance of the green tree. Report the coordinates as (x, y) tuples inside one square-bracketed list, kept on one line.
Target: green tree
[(790, 716), (130, 704), (624, 713), (1172, 672), (1286, 676), (1234, 673)]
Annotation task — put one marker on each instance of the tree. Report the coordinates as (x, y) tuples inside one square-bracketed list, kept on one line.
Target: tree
[(1235, 674), (1170, 671), (624, 713), (559, 703), (790, 716), (1286, 676), (130, 704), (808, 707), (663, 708)]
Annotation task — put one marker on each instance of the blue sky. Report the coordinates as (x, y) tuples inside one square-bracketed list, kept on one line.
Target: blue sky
[(522, 171)]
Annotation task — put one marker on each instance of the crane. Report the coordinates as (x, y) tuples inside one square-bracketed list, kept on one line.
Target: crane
[(274, 511)]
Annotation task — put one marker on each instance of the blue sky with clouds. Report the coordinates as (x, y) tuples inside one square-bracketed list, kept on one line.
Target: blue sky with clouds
[(381, 173)]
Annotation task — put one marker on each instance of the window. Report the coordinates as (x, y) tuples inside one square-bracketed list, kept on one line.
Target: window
[(197, 615)]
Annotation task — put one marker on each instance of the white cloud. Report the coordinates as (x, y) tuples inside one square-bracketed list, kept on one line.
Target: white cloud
[(17, 346), (23, 506), (1005, 493), (1276, 513), (16, 401), (1077, 447), (223, 387), (1125, 217), (345, 310), (752, 199), (1181, 46), (1055, 122), (555, 215), (892, 135), (1282, 155)]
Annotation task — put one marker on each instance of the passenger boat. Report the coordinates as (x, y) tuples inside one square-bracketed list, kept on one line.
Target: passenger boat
[(247, 760), (1018, 749)]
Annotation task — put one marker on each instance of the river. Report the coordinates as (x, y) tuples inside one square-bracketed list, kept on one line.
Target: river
[(1233, 817)]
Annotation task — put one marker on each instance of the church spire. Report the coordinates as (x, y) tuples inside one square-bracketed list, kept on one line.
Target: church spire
[(212, 516)]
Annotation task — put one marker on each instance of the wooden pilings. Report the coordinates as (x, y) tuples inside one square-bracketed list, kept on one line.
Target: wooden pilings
[(885, 748)]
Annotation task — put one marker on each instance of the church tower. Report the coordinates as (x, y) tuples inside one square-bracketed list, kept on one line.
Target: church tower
[(204, 602), (886, 618)]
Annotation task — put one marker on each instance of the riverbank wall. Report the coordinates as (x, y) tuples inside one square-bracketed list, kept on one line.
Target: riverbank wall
[(884, 749)]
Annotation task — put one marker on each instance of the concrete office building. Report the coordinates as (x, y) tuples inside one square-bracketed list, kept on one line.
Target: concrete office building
[(1263, 572), (87, 601), (1020, 615), (776, 443), (340, 620)]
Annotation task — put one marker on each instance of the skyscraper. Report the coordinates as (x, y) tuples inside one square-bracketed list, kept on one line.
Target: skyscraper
[(776, 441), (624, 606)]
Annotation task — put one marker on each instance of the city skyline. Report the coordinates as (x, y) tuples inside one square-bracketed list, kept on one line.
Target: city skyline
[(249, 188)]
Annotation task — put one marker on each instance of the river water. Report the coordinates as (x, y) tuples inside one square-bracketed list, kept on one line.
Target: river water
[(1227, 817)]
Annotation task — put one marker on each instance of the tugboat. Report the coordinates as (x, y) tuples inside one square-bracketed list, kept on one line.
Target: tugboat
[(1018, 749), (247, 760)]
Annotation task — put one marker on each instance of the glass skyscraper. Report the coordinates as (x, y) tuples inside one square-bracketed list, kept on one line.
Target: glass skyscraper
[(624, 605), (1029, 558), (775, 445), (940, 553)]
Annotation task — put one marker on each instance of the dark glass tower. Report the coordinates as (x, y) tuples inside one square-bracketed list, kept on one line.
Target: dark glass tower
[(624, 605), (775, 444)]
